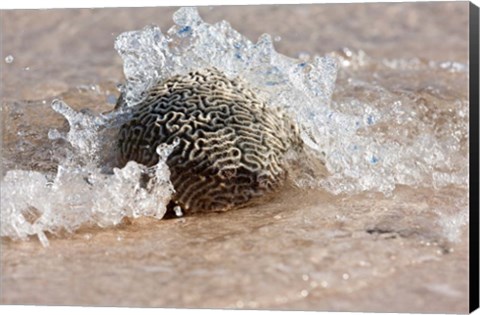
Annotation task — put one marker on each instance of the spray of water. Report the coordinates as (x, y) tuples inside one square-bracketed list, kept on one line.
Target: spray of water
[(81, 193), (365, 145)]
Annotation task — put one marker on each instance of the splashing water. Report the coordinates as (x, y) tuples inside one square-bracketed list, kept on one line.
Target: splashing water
[(349, 135), (367, 144), (80, 193)]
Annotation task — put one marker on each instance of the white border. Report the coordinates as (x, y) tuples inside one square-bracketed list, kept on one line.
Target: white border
[(61, 310), (31, 4), (77, 310)]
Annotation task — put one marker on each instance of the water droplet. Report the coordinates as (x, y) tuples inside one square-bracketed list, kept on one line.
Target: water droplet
[(277, 38), (363, 263), (87, 236), (345, 276), (304, 56), (305, 277), (9, 59), (178, 211), (43, 239), (347, 52), (26, 68), (324, 284), (304, 293)]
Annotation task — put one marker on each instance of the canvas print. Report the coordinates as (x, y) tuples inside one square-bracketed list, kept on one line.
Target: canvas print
[(282, 157)]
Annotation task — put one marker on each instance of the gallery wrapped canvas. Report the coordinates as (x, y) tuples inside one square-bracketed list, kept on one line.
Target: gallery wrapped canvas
[(280, 157)]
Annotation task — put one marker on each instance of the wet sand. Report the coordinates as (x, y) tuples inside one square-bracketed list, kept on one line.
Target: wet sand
[(304, 250), (301, 252)]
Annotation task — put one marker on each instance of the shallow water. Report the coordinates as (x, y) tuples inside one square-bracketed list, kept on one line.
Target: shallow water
[(326, 247)]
